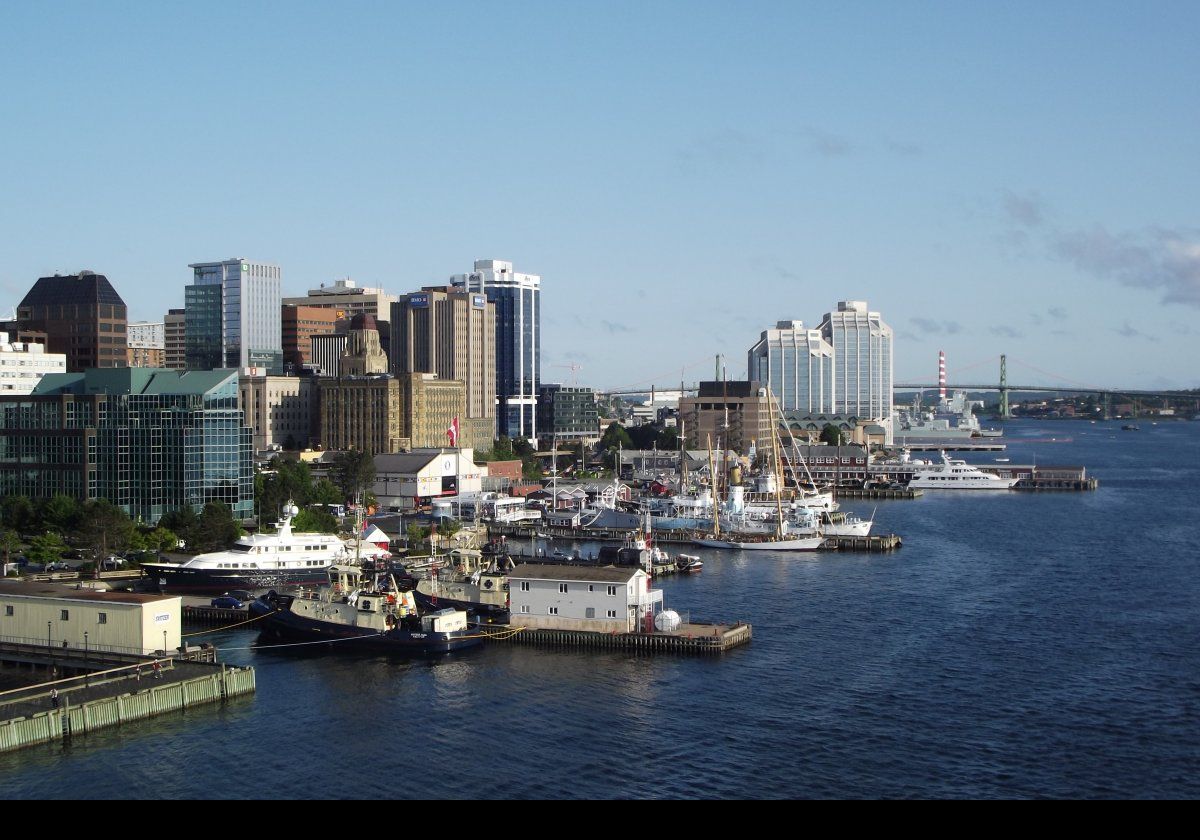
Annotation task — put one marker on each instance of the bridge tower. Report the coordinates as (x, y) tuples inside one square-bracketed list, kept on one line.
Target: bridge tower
[(1005, 411)]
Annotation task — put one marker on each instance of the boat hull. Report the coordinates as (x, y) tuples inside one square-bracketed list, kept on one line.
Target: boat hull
[(431, 602), (799, 544), (173, 578), (282, 623)]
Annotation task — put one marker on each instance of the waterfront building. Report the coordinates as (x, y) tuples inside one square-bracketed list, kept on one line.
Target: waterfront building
[(408, 480), (603, 599), (798, 366), (232, 313), (83, 317), (729, 415), (280, 410), (51, 614), (174, 339), (452, 333), (518, 341), (567, 412), (22, 366), (300, 324), (145, 344), (863, 363), (148, 440)]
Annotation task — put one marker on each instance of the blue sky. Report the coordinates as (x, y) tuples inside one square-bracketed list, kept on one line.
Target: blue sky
[(1016, 179)]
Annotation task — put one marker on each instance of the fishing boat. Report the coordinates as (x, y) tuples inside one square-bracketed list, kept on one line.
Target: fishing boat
[(365, 611)]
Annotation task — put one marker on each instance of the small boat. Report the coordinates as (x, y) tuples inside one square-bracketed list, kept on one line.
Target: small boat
[(1003, 460), (363, 614), (1130, 427), (689, 564)]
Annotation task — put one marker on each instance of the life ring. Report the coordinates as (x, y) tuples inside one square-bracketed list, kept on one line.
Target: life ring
[(487, 584)]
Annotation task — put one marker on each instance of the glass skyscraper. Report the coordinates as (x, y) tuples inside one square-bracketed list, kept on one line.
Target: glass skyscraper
[(232, 317), (798, 364), (149, 440), (518, 341)]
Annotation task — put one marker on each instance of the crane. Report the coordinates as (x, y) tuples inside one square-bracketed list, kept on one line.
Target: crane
[(574, 367)]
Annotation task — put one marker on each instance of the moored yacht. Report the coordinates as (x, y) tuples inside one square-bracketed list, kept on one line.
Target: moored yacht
[(954, 474), (256, 561)]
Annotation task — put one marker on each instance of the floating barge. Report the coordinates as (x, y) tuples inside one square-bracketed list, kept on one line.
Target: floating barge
[(698, 639)]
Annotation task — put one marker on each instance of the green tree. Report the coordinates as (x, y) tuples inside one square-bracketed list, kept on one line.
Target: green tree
[(46, 548), (182, 521), (215, 529), (416, 535), (325, 492), (162, 539), (61, 513), (315, 520), (18, 513), (832, 435), (354, 472), (105, 528), (10, 541), (616, 436)]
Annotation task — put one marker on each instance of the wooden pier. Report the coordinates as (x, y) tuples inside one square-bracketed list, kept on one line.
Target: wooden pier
[(213, 616), (689, 639), (875, 544), (878, 493)]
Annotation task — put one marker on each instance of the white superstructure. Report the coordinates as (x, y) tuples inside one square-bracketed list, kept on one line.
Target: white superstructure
[(22, 366), (957, 475)]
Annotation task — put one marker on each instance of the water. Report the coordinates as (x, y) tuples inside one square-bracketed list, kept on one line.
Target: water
[(1019, 645)]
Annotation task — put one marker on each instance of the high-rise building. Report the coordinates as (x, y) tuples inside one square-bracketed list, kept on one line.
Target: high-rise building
[(22, 366), (327, 352), (150, 441), (232, 313), (518, 341), (145, 343), (279, 409), (797, 364), (862, 352), (83, 317), (567, 411), (450, 332), (175, 339), (300, 324), (728, 415)]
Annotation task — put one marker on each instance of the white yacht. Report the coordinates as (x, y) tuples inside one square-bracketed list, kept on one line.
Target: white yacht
[(260, 561), (957, 475)]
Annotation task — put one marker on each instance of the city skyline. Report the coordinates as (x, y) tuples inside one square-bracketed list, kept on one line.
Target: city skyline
[(1007, 180)]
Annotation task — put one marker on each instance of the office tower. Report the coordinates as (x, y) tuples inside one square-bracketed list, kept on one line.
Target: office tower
[(174, 340), (327, 350), (22, 366), (232, 313), (567, 412), (83, 317), (797, 364), (862, 352), (518, 341), (300, 324), (451, 332), (148, 440), (279, 409), (347, 299), (145, 343), (728, 415)]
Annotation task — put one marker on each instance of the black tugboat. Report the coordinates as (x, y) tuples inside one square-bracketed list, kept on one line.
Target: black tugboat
[(363, 613)]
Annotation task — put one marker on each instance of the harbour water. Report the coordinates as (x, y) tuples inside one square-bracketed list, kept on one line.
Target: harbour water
[(1018, 645)]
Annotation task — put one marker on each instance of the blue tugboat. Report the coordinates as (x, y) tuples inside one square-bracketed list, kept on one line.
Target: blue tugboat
[(363, 613)]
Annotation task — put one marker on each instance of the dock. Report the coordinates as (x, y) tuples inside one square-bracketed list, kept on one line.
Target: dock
[(878, 493), (104, 690), (689, 639), (879, 543)]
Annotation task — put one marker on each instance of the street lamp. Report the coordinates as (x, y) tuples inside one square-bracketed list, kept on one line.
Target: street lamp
[(86, 670), (49, 649)]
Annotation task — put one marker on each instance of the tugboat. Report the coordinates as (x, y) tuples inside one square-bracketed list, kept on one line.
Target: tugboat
[(363, 613), (466, 582)]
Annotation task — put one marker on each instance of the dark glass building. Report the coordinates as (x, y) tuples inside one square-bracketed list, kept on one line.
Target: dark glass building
[(82, 316), (149, 440), (567, 412)]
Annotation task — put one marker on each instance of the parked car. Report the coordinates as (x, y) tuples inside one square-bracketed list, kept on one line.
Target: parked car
[(58, 567), (239, 594), (226, 603)]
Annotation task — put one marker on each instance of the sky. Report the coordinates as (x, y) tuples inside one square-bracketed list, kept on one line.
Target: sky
[(1015, 178)]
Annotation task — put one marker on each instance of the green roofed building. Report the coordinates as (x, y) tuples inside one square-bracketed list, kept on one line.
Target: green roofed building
[(149, 440)]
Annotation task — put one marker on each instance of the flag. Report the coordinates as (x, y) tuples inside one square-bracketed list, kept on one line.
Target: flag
[(452, 432)]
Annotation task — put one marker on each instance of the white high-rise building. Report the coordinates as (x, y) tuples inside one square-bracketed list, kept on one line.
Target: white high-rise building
[(518, 341), (863, 364), (798, 364), (232, 314), (22, 366)]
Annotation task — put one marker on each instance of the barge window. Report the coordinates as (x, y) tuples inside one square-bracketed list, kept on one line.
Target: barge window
[(553, 610), (8, 610), (562, 587), (66, 615), (102, 618), (524, 586)]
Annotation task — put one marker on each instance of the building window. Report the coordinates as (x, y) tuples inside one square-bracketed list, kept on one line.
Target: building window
[(612, 590), (8, 610), (66, 615), (591, 612), (103, 618), (562, 587), (525, 608), (612, 613), (553, 610), (591, 588), (524, 586)]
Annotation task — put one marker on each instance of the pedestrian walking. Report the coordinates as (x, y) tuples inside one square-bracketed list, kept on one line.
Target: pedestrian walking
[(54, 698), (157, 670)]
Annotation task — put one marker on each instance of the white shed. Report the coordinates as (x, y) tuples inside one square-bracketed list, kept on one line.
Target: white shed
[(601, 598)]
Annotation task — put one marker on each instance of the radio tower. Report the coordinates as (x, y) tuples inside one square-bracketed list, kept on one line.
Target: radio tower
[(942, 375)]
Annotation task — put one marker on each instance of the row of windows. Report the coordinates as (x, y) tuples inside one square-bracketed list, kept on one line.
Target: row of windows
[(564, 588), (64, 615), (591, 613)]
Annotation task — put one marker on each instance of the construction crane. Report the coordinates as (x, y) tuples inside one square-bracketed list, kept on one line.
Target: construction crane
[(574, 367)]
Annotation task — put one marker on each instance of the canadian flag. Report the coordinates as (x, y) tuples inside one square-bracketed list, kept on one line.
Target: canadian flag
[(452, 432)]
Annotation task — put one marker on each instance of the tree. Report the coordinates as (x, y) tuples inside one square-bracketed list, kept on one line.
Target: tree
[(832, 435), (325, 492), (315, 520), (61, 513), (183, 522), (18, 513), (10, 541), (416, 534), (161, 539), (105, 528), (615, 436), (215, 529), (353, 472), (46, 548)]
